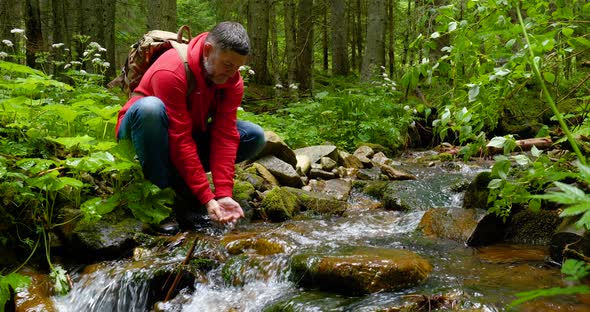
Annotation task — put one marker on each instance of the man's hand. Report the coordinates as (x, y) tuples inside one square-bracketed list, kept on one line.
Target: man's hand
[(224, 210)]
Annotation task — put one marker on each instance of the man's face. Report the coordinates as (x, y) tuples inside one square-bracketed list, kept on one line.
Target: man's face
[(221, 65)]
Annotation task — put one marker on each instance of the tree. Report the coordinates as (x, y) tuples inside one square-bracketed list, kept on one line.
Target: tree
[(305, 44), (290, 44), (375, 48), (162, 15), (258, 15), (33, 31), (339, 44)]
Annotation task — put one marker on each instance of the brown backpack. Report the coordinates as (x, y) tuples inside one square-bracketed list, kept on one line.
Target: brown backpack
[(145, 52)]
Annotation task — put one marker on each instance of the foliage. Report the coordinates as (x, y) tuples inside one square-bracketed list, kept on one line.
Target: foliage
[(14, 281), (345, 117), (514, 184), (574, 270)]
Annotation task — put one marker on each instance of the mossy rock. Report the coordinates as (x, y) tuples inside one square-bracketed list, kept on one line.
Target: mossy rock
[(375, 188), (243, 242), (243, 191), (318, 203), (476, 195), (530, 227), (279, 205)]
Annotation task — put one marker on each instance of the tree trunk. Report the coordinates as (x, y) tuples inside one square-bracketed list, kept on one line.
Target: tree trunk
[(375, 48), (290, 41), (162, 15), (258, 31), (352, 36), (109, 13), (405, 55), (305, 45), (391, 49), (274, 43), (339, 46), (325, 52), (359, 33), (11, 17), (33, 31)]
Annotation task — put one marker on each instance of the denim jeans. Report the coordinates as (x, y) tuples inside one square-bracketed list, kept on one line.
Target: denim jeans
[(146, 124)]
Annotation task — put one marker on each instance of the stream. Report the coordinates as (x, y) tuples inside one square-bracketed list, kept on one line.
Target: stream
[(476, 279)]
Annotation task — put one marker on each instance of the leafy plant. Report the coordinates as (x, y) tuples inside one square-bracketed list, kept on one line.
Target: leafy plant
[(14, 281)]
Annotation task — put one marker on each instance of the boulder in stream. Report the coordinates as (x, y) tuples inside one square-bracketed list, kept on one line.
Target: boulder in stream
[(451, 223), (359, 270)]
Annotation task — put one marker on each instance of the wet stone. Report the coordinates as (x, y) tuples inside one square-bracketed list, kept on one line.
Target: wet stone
[(451, 223), (358, 270)]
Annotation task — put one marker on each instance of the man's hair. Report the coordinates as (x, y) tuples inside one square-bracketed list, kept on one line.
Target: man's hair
[(230, 36)]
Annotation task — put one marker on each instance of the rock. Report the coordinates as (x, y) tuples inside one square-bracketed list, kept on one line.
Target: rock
[(243, 191), (364, 151), (381, 159), (266, 175), (570, 236), (451, 223), (317, 151), (490, 229), (275, 146), (360, 270), (284, 172), (244, 242), (321, 174), (395, 174), (36, 296), (350, 173), (338, 188), (477, 192), (533, 228), (111, 237), (349, 161), (327, 163), (279, 205), (318, 203), (303, 164), (409, 195), (252, 177), (371, 174)]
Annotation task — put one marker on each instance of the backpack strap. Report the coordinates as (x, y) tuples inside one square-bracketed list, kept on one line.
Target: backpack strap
[(182, 49)]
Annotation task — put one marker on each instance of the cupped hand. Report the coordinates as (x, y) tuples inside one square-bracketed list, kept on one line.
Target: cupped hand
[(224, 210)]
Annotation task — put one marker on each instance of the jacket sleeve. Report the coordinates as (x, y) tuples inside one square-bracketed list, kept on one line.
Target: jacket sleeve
[(171, 89), (225, 139)]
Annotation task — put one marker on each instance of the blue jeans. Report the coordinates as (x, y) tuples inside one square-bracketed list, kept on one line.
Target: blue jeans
[(146, 124)]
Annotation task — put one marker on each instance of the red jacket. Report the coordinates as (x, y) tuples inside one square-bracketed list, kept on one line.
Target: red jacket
[(166, 79)]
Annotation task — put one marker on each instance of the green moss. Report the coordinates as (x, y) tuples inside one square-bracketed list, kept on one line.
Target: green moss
[(477, 192), (243, 191), (375, 188), (279, 205)]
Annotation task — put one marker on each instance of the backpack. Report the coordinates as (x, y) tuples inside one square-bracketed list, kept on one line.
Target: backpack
[(145, 52)]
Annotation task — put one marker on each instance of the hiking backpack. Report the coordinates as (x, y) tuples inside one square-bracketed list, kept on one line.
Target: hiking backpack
[(145, 52)]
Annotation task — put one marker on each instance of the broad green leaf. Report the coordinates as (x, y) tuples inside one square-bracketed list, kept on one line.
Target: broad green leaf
[(535, 151), (584, 221), (13, 281), (549, 77), (580, 42), (535, 205), (60, 280), (95, 208), (64, 112), (568, 32), (522, 160), (473, 92), (452, 26), (510, 43), (495, 183), (68, 142), (497, 142), (14, 67), (75, 183)]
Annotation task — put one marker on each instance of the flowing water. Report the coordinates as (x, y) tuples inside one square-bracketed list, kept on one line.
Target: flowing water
[(484, 279)]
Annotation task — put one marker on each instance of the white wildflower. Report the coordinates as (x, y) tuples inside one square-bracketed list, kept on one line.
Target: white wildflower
[(407, 107), (82, 71), (17, 31), (67, 50), (106, 64), (57, 45), (382, 67), (101, 49), (243, 67), (96, 60), (94, 45), (278, 86), (415, 111), (97, 55), (413, 124), (76, 63), (85, 53), (67, 66), (393, 88), (7, 42), (3, 55), (387, 79), (251, 72), (293, 86), (384, 75)]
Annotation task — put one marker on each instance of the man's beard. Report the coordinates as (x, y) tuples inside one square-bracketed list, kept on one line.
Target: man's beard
[(209, 71)]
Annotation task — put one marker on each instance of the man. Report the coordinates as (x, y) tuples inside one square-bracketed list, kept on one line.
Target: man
[(172, 136)]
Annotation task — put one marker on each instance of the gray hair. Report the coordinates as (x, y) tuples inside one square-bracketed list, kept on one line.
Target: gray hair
[(230, 36)]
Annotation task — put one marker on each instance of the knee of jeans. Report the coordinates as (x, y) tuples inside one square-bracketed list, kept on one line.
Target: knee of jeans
[(152, 108), (258, 139)]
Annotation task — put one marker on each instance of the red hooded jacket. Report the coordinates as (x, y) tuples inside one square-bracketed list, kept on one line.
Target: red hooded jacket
[(166, 79)]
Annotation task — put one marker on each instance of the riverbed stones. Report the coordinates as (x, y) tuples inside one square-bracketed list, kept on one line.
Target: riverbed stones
[(279, 205), (318, 203), (275, 146), (476, 195), (451, 223), (303, 164), (360, 270), (266, 175), (252, 242), (339, 188), (283, 171), (316, 152), (349, 161)]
